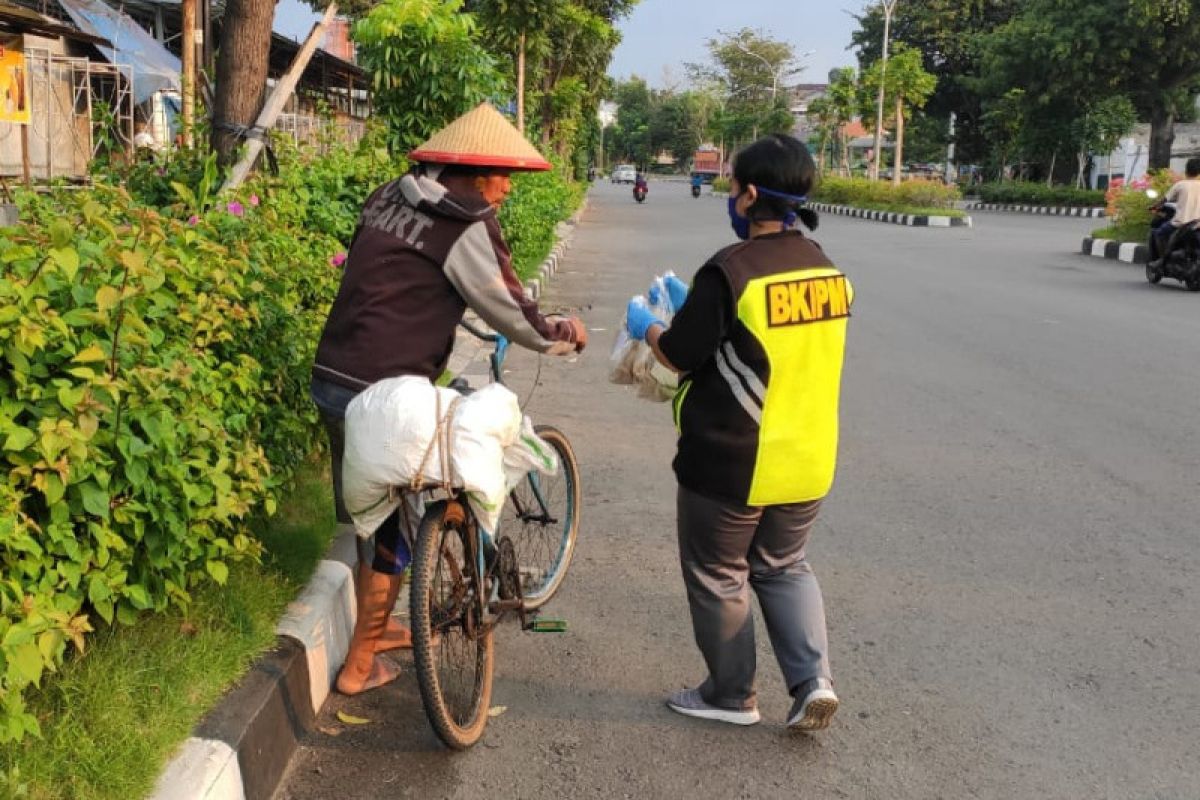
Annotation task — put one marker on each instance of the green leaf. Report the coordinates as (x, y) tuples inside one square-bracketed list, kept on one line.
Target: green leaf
[(107, 297), (20, 439), (138, 595), (26, 662), (61, 233), (67, 260), (95, 499), (218, 570), (90, 353)]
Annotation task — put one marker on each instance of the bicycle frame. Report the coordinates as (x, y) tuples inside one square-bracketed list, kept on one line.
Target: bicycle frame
[(496, 368)]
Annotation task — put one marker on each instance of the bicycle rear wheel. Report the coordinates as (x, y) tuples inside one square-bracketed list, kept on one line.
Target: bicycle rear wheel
[(542, 518), (452, 646)]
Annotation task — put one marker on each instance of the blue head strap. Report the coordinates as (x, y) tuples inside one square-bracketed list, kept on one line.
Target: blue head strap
[(799, 199)]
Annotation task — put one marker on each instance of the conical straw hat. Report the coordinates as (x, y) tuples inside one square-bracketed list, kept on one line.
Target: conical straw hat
[(481, 138)]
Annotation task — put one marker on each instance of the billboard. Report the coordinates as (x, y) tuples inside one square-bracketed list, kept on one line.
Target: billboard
[(14, 82)]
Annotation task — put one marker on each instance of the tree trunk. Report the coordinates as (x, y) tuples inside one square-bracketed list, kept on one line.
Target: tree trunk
[(241, 70), (521, 85), (547, 110), (1082, 159), (1162, 137), (188, 79), (1050, 174), (898, 161)]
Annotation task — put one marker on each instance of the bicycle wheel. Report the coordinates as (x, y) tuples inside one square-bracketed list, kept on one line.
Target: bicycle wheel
[(542, 518), (452, 647)]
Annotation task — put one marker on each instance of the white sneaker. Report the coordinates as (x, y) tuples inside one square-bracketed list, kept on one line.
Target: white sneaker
[(814, 709), (689, 703)]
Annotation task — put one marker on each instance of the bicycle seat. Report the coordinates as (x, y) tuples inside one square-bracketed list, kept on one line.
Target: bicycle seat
[(461, 386)]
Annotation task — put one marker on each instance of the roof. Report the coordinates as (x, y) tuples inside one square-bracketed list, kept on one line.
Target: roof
[(325, 66), (154, 67), (22, 20)]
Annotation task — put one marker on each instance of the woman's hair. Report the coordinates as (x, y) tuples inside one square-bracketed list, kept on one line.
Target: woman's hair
[(783, 164)]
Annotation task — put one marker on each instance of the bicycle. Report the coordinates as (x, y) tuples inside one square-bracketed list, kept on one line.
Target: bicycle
[(463, 585)]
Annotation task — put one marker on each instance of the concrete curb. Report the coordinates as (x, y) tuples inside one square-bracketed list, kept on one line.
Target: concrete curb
[(1129, 252), (564, 233), (895, 218), (1051, 211), (242, 748)]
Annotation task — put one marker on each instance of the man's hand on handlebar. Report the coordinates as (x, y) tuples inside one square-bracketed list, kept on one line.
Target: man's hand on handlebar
[(579, 333)]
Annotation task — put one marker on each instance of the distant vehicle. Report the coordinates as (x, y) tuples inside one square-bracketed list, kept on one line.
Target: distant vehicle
[(624, 173), (706, 164)]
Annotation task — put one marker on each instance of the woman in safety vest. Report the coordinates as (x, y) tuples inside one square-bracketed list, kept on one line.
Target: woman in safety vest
[(759, 341)]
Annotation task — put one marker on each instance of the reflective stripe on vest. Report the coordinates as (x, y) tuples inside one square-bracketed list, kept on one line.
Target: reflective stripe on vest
[(799, 318)]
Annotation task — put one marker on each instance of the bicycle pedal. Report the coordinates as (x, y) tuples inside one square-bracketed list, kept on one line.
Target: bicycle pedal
[(547, 626)]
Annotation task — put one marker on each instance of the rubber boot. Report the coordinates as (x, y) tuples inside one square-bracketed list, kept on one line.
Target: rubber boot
[(396, 636), (362, 670)]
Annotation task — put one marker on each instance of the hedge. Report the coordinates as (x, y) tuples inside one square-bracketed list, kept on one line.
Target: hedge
[(155, 348), (1129, 207), (1039, 194), (913, 196)]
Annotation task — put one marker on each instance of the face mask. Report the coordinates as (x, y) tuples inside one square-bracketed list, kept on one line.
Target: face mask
[(740, 224)]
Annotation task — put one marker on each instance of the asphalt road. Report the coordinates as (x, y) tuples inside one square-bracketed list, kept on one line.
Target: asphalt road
[(1009, 556)]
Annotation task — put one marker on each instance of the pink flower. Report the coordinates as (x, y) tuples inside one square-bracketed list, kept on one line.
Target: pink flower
[(236, 208), (254, 200), (193, 220), (338, 260)]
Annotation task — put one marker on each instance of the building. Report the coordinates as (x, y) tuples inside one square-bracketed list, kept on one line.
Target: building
[(800, 97)]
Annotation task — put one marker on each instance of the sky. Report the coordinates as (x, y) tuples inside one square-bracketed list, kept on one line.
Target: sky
[(664, 34), (661, 35)]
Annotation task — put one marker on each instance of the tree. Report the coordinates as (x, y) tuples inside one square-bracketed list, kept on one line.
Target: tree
[(1003, 121), (516, 27), (241, 72), (948, 34), (1160, 69), (906, 86), (1100, 129), (427, 66), (750, 69)]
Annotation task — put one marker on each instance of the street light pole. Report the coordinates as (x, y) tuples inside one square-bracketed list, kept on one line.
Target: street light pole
[(888, 7)]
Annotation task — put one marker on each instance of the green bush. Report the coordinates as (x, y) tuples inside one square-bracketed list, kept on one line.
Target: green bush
[(720, 184), (1129, 207), (154, 382), (539, 201), (915, 196), (1039, 194)]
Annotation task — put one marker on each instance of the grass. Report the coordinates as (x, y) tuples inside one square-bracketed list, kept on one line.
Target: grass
[(112, 718), (1123, 233)]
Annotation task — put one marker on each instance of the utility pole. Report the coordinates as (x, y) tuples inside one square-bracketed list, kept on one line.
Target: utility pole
[(888, 7), (188, 49)]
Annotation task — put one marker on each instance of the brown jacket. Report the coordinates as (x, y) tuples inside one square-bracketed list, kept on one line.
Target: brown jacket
[(419, 258)]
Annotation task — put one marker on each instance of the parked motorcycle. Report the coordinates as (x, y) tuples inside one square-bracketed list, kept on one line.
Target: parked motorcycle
[(1180, 259)]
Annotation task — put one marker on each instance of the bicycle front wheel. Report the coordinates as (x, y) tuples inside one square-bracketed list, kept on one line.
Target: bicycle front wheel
[(452, 645), (542, 518)]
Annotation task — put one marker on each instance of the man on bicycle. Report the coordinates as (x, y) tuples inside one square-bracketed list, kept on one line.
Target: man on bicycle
[(427, 247)]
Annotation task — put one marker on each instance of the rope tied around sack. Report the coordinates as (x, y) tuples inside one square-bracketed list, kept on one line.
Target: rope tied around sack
[(441, 439)]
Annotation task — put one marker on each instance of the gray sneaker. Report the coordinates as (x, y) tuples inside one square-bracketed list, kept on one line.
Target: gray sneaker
[(814, 707), (689, 703)]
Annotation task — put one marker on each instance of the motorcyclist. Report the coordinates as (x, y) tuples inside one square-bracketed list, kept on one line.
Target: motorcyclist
[(697, 183), (1185, 197), (639, 183)]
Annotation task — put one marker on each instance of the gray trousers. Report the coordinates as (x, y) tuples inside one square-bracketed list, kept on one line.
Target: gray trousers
[(726, 549)]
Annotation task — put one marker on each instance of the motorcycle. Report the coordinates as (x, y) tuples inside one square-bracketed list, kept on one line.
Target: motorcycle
[(695, 190), (1180, 259), (639, 193)]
